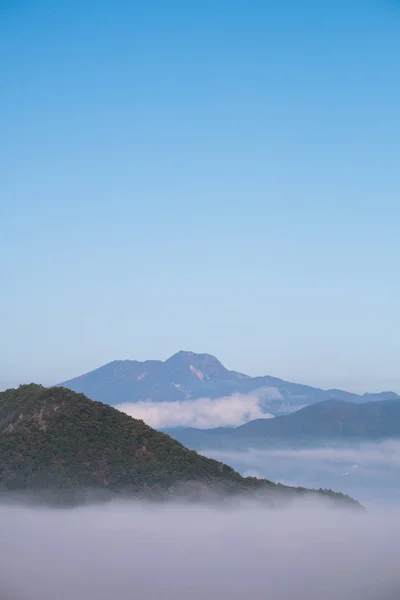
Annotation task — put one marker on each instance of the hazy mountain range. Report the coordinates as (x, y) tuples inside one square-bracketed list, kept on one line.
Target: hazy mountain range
[(186, 376), (323, 423)]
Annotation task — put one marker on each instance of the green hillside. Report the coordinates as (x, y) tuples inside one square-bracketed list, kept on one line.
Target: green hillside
[(57, 441)]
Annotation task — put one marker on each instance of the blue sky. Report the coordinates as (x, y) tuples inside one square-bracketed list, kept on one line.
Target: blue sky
[(220, 176)]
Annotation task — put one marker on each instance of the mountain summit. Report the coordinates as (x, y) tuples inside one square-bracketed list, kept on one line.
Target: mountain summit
[(183, 376), (204, 366), (187, 375)]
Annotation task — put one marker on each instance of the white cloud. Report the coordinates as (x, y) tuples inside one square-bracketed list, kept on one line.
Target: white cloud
[(203, 413)]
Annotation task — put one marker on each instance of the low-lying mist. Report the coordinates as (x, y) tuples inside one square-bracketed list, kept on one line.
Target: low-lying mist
[(367, 471), (137, 551), (204, 413)]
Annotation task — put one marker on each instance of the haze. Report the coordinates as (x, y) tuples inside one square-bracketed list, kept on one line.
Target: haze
[(367, 471), (178, 552)]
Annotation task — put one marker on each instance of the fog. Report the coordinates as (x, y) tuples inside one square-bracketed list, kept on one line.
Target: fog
[(368, 471), (181, 552)]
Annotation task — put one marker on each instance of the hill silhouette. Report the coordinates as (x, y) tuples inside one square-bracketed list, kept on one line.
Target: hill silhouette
[(56, 440)]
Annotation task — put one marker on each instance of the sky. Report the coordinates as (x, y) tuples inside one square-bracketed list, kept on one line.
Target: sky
[(218, 176)]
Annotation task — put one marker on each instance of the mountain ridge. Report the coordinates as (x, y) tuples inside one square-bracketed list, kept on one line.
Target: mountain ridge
[(187, 376), (320, 423)]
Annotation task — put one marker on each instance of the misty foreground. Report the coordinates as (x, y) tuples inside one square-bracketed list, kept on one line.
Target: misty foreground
[(57, 445), (175, 551)]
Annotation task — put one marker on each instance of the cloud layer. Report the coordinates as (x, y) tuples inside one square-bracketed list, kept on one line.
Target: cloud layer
[(176, 552), (203, 413), (369, 471)]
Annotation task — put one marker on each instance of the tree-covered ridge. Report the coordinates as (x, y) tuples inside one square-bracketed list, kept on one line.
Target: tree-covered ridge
[(56, 439)]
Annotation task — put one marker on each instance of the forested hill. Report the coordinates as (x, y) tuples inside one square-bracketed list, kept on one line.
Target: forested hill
[(56, 440)]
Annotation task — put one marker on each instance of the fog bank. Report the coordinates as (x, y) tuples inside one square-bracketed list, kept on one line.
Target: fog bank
[(177, 552), (367, 471)]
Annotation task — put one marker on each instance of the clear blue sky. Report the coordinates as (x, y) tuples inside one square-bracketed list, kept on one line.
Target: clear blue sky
[(221, 176)]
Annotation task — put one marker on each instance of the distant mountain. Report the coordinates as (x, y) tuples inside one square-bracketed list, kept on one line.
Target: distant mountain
[(187, 375), (323, 423), (58, 442)]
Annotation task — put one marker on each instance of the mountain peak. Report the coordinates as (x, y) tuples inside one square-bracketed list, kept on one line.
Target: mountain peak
[(203, 366), (188, 355), (188, 375)]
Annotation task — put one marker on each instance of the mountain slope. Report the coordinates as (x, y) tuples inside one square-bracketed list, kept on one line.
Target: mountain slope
[(184, 375), (187, 375), (332, 420), (57, 440)]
